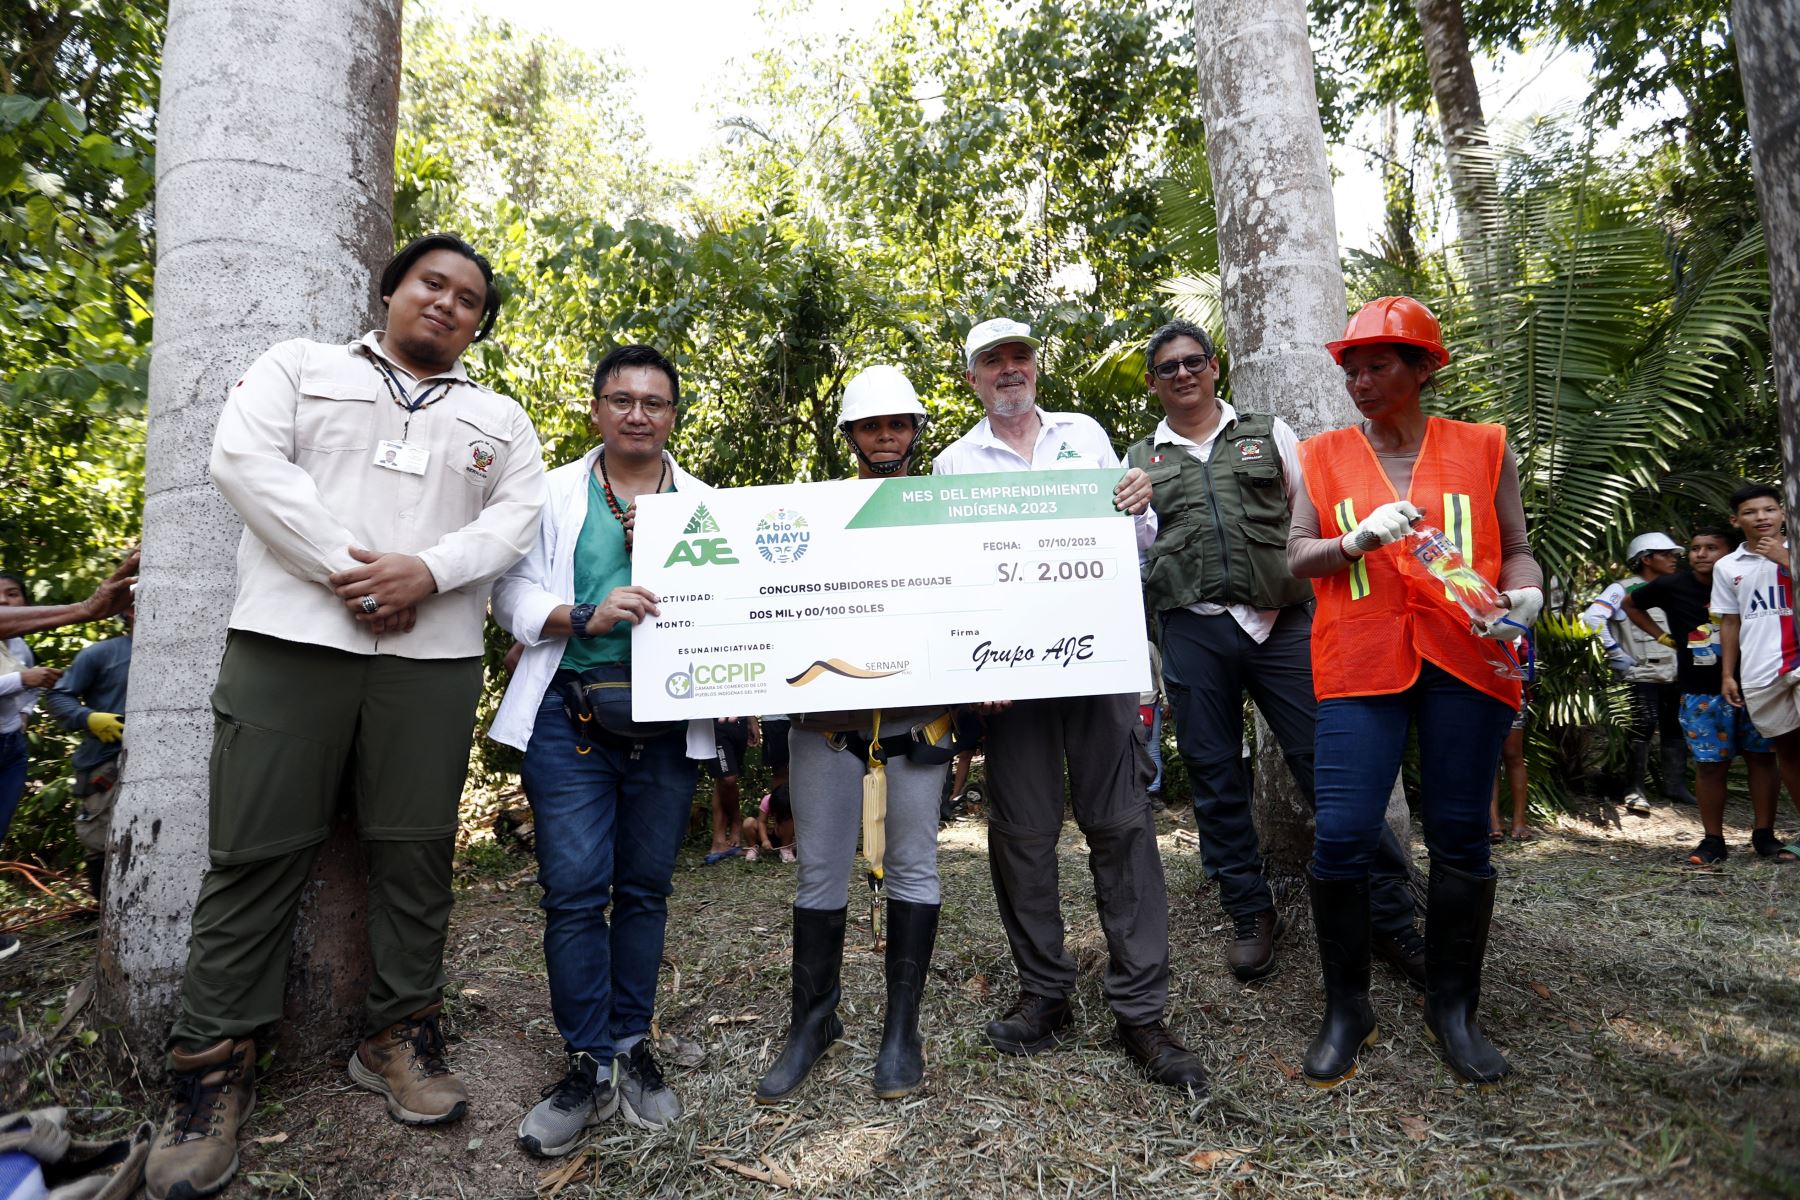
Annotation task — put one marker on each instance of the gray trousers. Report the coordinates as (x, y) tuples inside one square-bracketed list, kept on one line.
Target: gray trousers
[(1028, 746), (826, 786)]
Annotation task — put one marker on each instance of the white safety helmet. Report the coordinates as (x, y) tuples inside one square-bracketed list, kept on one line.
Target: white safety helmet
[(1647, 543), (882, 391)]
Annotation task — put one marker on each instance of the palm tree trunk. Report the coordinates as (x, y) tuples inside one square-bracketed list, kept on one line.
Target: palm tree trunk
[(275, 153), (1281, 279), (1468, 159), (1768, 48)]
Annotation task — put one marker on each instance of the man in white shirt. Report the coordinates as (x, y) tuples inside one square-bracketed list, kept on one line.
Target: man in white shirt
[(1753, 590), (1029, 744), (1232, 619), (382, 492)]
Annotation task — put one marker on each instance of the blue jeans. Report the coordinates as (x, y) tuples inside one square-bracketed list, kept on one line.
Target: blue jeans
[(13, 765), (608, 827), (1359, 744)]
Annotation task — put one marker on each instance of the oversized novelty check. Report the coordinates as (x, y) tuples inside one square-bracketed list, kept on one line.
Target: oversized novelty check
[(885, 594)]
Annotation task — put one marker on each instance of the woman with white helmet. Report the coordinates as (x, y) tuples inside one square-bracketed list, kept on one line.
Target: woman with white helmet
[(830, 754)]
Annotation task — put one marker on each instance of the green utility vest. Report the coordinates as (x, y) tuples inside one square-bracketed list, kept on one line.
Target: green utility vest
[(1222, 526)]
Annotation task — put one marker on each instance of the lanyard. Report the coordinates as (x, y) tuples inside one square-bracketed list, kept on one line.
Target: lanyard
[(412, 405)]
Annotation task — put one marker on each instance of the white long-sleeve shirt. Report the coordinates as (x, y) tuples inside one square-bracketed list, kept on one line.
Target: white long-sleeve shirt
[(295, 455), (15, 698)]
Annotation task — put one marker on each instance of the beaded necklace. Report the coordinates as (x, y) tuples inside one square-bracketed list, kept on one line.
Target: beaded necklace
[(612, 502)]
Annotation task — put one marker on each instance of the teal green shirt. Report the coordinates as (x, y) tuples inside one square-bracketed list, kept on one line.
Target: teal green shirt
[(601, 565)]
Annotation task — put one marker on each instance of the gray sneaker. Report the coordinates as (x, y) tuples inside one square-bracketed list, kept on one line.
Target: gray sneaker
[(645, 1100), (571, 1106)]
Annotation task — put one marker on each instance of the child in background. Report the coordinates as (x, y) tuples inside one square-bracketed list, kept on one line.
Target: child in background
[(771, 827)]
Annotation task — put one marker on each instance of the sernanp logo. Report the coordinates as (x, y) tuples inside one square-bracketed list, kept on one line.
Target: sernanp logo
[(699, 551)]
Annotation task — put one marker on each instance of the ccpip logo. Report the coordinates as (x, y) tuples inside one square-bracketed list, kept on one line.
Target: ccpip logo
[(703, 677), (699, 551)]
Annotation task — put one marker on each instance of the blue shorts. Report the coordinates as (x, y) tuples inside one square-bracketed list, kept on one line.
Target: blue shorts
[(1716, 732)]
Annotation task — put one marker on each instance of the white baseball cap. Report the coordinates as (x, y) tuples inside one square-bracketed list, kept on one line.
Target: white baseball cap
[(994, 332)]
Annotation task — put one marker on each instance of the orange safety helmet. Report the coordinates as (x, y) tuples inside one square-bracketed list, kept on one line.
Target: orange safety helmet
[(1392, 319)]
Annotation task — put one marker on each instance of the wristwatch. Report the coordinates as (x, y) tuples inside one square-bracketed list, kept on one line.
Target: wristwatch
[(579, 616)]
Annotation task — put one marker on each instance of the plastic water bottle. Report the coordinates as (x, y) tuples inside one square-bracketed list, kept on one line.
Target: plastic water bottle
[(1439, 556)]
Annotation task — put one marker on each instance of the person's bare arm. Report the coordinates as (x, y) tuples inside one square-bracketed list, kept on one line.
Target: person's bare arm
[(1728, 659), (109, 600)]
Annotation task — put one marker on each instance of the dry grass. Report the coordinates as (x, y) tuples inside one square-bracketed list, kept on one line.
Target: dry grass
[(1652, 1013)]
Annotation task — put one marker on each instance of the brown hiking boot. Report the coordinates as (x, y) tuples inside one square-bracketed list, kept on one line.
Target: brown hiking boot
[(1251, 954), (405, 1063), (196, 1153)]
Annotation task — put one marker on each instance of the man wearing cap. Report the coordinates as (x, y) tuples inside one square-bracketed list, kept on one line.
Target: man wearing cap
[(1647, 669), (1231, 620), (352, 665), (1029, 744)]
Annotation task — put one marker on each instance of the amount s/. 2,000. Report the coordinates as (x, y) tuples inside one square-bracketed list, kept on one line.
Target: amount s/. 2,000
[(1067, 570)]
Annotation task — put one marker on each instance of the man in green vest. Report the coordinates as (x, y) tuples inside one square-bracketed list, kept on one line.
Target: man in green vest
[(1230, 619)]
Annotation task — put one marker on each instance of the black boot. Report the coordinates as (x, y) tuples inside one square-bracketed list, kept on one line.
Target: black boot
[(1341, 919), (911, 932), (1457, 914), (1402, 949), (818, 961), (1674, 767), (1637, 766)]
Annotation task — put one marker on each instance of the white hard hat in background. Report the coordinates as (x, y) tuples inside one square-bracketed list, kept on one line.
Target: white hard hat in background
[(1645, 543), (881, 391)]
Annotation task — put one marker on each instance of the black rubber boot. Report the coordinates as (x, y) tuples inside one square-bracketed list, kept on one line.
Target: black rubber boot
[(911, 932), (1637, 768), (1341, 919), (1457, 914), (818, 962), (1674, 771)]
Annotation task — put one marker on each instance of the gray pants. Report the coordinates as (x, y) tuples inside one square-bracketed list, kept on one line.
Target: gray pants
[(1108, 770), (826, 786)]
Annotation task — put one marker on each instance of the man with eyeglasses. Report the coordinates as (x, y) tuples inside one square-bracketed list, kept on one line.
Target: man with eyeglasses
[(1231, 620), (610, 796), (1091, 741)]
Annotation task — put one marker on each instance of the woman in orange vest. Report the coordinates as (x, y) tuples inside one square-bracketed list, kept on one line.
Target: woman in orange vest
[(1393, 651)]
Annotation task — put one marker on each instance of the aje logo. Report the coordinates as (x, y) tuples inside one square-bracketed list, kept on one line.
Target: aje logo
[(699, 551), (782, 536)]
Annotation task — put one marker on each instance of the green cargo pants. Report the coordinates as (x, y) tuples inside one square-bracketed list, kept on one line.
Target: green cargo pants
[(297, 727)]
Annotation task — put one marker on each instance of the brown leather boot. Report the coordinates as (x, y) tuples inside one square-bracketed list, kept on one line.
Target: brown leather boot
[(1251, 954), (405, 1063), (196, 1152)]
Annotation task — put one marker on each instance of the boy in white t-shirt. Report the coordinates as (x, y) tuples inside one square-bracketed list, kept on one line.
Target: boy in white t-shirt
[(1752, 593)]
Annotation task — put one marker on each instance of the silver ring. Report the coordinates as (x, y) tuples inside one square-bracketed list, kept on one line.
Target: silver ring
[(370, 604)]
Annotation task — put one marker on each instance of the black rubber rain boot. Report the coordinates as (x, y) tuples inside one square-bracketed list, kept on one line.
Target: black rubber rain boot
[(1457, 914), (911, 933), (1341, 920), (1637, 767), (818, 962), (1674, 771)]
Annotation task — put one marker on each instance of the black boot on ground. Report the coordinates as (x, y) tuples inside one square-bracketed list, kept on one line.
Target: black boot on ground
[(1341, 920), (911, 933), (1674, 771), (818, 962), (1637, 769), (1402, 949), (1457, 914)]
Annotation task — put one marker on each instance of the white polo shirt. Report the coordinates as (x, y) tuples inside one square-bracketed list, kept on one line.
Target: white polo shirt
[(1065, 441), (1757, 591)]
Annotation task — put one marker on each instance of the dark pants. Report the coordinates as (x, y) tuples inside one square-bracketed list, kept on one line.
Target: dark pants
[(1208, 664), (1360, 743), (13, 768), (1656, 709), (609, 823), (1027, 748), (295, 728)]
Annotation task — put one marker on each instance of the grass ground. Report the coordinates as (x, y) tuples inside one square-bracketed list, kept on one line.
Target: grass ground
[(1651, 1011)]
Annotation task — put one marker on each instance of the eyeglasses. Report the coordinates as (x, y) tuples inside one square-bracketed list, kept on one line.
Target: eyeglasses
[(620, 404), (1194, 363)]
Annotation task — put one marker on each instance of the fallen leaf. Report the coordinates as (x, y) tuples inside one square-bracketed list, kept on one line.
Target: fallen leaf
[(273, 1139), (1539, 990), (1212, 1160), (1415, 1129), (474, 1143), (1288, 1071), (979, 985), (743, 1018)]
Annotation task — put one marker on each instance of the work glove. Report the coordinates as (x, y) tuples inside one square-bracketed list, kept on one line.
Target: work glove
[(108, 727), (1620, 661), (1386, 525), (1522, 608)]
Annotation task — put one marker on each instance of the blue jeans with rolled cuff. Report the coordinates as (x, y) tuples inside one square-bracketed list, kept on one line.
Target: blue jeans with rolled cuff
[(608, 825)]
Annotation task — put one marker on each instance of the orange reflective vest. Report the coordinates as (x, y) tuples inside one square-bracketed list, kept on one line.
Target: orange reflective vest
[(1372, 627)]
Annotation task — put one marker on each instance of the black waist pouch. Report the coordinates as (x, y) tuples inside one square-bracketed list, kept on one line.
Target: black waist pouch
[(598, 702)]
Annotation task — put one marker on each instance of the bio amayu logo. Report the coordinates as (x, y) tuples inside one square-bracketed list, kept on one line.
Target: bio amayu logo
[(699, 551)]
